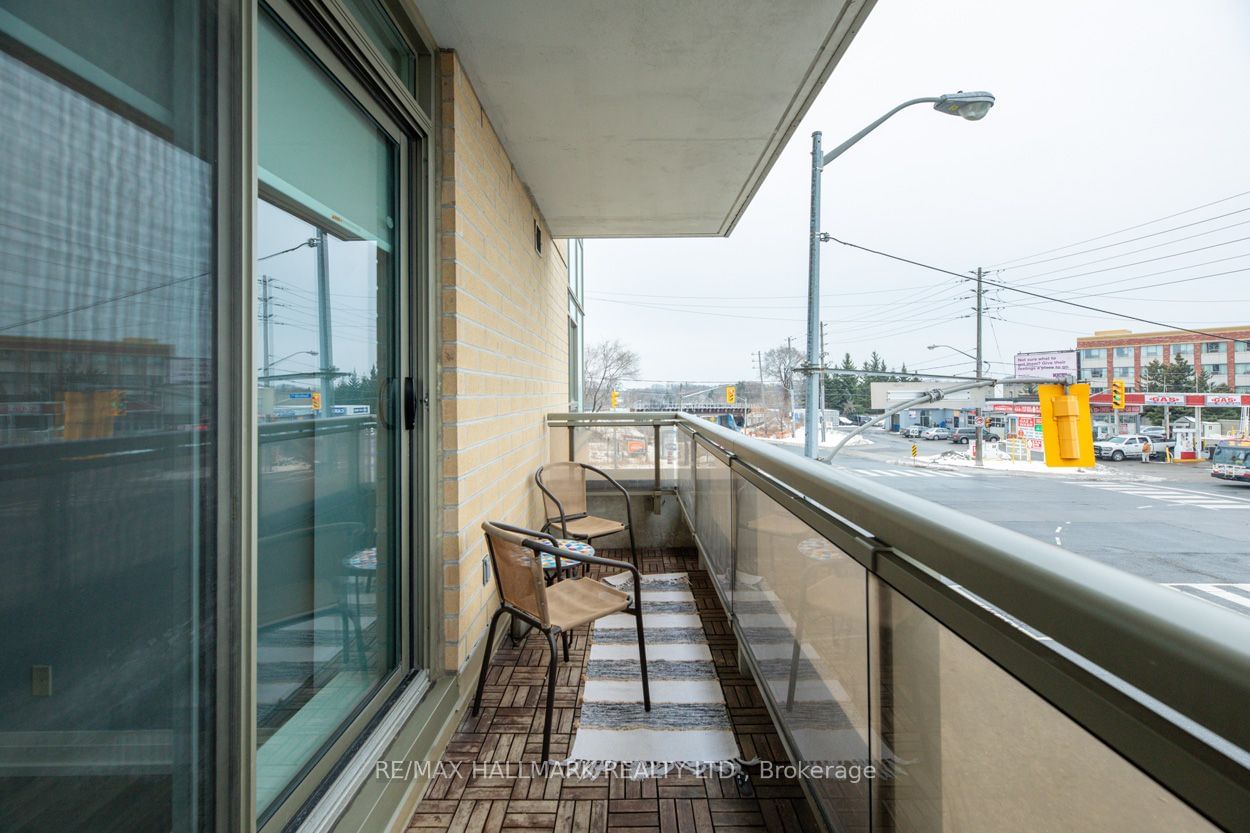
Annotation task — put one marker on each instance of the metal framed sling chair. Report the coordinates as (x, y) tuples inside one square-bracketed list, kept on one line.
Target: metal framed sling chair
[(564, 498), (516, 556)]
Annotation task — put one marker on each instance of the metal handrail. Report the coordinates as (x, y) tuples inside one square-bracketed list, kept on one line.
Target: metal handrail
[(1191, 656)]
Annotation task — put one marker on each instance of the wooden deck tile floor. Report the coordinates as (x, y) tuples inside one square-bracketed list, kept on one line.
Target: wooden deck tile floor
[(478, 796)]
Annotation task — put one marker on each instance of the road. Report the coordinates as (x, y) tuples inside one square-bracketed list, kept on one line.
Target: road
[(1172, 524)]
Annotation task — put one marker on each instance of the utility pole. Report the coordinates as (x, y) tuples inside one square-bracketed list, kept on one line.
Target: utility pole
[(813, 299), (980, 371), (323, 324), (266, 327), (790, 385), (759, 363)]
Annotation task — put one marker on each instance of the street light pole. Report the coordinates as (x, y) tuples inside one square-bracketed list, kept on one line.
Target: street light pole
[(981, 369), (325, 339), (971, 106)]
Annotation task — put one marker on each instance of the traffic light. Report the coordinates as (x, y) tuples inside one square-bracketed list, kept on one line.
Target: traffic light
[(616, 397), (316, 400), (731, 394), (1117, 394), (1067, 429)]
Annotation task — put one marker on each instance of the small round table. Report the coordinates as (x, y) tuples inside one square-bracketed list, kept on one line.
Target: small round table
[(576, 547), (358, 565)]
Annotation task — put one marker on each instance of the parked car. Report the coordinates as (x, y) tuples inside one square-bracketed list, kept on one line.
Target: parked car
[(963, 436), (911, 431), (936, 434), (1154, 432), (1130, 445)]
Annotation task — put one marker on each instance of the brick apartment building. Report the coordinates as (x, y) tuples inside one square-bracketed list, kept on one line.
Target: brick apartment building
[(1121, 354)]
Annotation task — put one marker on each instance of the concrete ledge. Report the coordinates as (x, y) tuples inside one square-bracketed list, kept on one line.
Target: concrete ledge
[(664, 530)]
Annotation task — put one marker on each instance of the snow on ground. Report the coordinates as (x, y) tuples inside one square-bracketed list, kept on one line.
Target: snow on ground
[(964, 459), (833, 436)]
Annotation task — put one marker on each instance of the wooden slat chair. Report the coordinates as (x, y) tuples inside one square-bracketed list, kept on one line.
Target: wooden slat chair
[(564, 497), (515, 554)]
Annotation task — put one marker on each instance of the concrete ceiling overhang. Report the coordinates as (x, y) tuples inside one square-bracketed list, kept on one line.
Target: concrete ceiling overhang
[(645, 118)]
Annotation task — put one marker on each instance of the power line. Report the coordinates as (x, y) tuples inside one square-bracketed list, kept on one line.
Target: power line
[(746, 297), (135, 292), (659, 303), (860, 323), (1138, 263), (1030, 278), (1190, 279), (695, 305), (1120, 231), (664, 308), (1034, 294), (1130, 240)]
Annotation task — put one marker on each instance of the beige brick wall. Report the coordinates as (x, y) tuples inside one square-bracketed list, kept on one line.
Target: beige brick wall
[(504, 351)]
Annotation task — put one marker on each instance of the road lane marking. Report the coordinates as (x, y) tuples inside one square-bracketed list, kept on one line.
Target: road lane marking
[(1172, 495), (1218, 590)]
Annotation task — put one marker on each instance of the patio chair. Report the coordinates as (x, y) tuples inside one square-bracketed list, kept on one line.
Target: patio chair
[(564, 497), (515, 554)]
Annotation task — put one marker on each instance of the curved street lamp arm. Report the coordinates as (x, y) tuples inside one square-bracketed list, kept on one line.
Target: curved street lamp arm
[(842, 148), (936, 395), (986, 362)]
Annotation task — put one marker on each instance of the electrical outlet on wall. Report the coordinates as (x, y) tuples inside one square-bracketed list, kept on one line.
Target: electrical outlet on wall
[(41, 680), (485, 569)]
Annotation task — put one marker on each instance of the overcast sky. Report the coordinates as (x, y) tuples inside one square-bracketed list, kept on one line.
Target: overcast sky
[(1109, 114)]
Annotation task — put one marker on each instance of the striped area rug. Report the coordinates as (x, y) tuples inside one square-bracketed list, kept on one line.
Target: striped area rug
[(688, 724)]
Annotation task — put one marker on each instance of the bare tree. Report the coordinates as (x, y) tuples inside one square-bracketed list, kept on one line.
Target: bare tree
[(779, 364), (608, 363)]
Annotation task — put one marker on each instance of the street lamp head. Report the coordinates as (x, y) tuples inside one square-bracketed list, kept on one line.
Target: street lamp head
[(934, 346), (971, 106)]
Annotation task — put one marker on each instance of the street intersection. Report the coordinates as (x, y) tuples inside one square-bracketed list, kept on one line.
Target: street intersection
[(1171, 524)]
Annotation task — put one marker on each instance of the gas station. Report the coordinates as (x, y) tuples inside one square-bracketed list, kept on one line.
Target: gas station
[(1193, 436)]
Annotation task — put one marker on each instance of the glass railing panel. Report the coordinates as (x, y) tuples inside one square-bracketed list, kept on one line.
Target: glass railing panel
[(685, 471), (672, 456), (626, 453), (978, 751), (712, 518), (800, 607)]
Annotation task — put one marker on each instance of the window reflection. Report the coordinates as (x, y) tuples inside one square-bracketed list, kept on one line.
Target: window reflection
[(324, 614), (107, 396)]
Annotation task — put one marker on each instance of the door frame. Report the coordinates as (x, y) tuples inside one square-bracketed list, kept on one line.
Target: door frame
[(331, 36)]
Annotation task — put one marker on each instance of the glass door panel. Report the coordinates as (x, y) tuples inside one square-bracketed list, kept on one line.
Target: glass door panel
[(327, 359)]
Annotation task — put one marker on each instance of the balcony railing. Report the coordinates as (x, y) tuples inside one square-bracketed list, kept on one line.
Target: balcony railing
[(993, 681)]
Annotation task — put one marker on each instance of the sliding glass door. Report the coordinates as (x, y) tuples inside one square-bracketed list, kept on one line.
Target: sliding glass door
[(331, 247), (109, 398)]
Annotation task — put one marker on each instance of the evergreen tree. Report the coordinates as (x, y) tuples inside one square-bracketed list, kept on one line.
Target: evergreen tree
[(840, 387), (1182, 377), (863, 390), (355, 389)]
